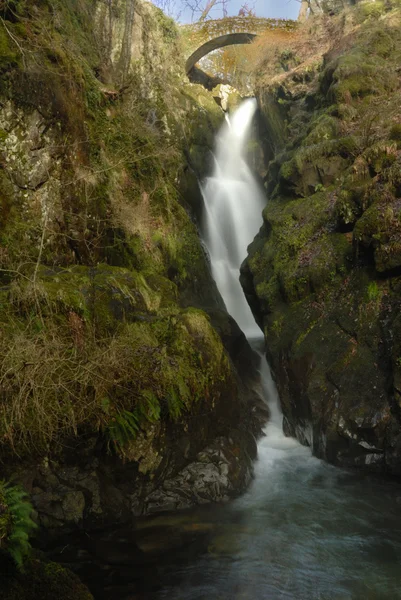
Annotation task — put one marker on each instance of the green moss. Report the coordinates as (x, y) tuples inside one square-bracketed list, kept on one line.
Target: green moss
[(395, 134), (324, 128), (373, 291), (268, 291), (10, 56), (289, 170), (372, 10), (299, 256), (381, 155), (312, 154), (187, 364), (358, 74), (103, 296), (347, 206), (382, 43), (44, 580), (370, 223)]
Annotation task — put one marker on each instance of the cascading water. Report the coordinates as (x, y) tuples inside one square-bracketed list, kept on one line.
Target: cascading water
[(233, 206)]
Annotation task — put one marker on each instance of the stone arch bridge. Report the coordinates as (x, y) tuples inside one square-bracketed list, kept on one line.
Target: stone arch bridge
[(204, 37)]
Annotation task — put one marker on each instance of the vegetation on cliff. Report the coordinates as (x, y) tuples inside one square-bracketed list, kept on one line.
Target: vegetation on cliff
[(97, 251), (323, 276)]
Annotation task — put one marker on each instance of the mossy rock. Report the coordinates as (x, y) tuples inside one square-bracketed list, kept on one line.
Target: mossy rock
[(373, 10), (388, 255), (41, 580), (348, 206), (109, 295), (324, 128), (358, 75), (379, 227)]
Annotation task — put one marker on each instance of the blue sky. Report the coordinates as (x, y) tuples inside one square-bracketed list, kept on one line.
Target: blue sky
[(264, 8)]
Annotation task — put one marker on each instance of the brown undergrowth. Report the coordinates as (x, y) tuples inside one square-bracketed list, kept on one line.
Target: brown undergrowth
[(93, 339), (67, 368)]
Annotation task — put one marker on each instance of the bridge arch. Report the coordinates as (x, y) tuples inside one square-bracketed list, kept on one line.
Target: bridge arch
[(206, 36), (230, 39)]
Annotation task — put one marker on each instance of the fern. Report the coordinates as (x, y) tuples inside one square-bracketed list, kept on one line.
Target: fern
[(123, 429), (149, 406), (174, 404), (21, 524)]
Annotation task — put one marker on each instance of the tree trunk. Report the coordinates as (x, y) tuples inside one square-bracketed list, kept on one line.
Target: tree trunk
[(208, 7), (303, 11)]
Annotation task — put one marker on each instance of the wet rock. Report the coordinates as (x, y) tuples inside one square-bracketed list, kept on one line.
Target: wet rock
[(219, 473), (73, 505)]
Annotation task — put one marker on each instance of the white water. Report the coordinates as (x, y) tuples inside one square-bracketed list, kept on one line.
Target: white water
[(233, 208), (304, 530), (233, 215)]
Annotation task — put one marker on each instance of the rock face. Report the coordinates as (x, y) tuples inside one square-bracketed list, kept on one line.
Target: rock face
[(120, 367), (316, 7), (323, 275)]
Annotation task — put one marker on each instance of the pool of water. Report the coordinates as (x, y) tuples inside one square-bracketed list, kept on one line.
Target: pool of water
[(305, 530)]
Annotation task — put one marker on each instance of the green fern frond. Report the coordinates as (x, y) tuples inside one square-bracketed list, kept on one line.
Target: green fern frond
[(174, 403), (20, 524), (123, 429), (149, 406)]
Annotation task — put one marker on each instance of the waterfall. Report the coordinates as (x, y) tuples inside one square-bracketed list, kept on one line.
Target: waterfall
[(304, 530), (233, 206)]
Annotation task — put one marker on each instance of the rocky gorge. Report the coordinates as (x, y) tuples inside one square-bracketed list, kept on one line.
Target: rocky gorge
[(323, 274), (126, 388)]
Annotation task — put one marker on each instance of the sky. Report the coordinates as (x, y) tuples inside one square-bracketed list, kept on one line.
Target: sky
[(263, 8)]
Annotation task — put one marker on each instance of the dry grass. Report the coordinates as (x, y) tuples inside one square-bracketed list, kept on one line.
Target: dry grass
[(61, 375)]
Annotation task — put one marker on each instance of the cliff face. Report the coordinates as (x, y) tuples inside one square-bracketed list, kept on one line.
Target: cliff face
[(323, 275), (114, 380)]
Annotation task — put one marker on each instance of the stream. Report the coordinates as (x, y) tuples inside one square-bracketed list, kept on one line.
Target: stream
[(304, 530)]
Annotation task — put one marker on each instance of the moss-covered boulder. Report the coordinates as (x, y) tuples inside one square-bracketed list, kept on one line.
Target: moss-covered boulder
[(41, 580), (322, 275)]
